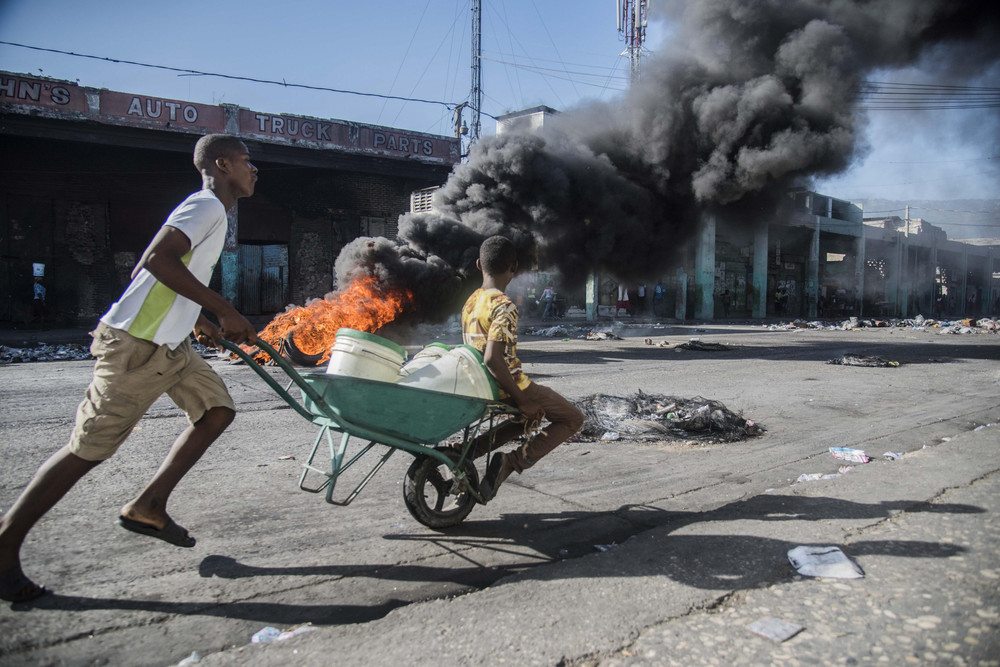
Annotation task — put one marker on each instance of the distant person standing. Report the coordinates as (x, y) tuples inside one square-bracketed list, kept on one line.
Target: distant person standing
[(39, 309), (640, 294), (548, 296), (727, 300), (658, 292), (623, 302)]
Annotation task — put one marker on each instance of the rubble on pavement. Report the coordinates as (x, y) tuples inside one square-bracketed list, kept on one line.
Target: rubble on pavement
[(653, 416), (44, 352), (67, 352), (918, 323)]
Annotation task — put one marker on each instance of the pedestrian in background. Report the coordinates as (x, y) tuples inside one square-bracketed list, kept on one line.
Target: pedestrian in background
[(658, 292), (623, 301), (39, 309), (548, 296)]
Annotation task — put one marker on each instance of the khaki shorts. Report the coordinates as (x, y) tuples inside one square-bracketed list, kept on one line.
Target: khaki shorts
[(130, 374)]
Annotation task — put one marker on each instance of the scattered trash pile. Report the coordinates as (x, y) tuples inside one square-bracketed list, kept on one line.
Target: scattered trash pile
[(845, 454), (861, 360), (652, 417), (44, 352), (918, 323)]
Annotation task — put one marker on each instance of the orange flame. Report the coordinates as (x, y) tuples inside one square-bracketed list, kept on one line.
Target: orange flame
[(364, 306)]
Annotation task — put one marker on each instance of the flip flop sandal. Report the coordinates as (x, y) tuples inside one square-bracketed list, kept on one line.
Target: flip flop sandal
[(16, 587), (171, 533)]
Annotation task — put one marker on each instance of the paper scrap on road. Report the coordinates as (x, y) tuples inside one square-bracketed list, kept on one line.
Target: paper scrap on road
[(848, 454), (815, 476), (775, 629), (828, 562)]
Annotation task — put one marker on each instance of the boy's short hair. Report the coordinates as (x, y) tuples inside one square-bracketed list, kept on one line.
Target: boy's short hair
[(497, 254), (213, 146)]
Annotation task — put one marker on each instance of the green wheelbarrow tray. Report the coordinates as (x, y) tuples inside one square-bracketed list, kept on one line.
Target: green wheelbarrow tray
[(383, 413), (388, 410)]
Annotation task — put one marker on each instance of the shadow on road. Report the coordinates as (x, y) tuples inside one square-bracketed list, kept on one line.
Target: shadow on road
[(712, 562)]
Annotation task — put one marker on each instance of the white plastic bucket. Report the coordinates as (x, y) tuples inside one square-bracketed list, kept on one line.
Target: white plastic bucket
[(459, 370), (363, 355)]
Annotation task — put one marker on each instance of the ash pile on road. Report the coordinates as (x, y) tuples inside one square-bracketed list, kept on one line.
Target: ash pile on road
[(861, 360), (655, 416), (44, 352), (697, 345)]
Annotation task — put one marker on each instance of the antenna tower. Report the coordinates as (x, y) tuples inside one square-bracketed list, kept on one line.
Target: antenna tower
[(632, 28), (476, 95)]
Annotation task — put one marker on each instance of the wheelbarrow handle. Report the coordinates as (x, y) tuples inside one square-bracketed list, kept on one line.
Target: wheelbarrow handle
[(271, 382)]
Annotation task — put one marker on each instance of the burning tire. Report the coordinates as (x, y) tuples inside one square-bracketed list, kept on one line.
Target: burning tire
[(434, 496)]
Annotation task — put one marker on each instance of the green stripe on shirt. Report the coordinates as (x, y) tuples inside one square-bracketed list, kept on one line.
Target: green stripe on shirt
[(155, 307)]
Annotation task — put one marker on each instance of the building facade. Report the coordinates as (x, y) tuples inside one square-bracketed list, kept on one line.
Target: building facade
[(90, 175)]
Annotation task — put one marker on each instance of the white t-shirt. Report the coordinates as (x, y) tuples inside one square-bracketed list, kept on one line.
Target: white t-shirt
[(152, 311)]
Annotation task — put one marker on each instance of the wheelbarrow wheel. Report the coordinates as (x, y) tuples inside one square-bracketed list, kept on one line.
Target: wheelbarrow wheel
[(434, 497)]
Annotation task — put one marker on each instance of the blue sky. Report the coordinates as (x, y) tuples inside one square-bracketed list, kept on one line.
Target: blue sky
[(560, 53)]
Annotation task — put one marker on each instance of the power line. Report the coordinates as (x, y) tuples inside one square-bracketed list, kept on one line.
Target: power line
[(282, 83), (541, 71), (402, 61), (971, 159), (886, 96)]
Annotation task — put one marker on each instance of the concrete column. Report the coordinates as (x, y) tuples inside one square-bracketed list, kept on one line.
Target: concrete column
[(860, 261), (892, 287), (934, 277), (760, 271), (591, 294), (965, 284), (230, 259), (680, 298), (812, 276), (704, 270), (907, 279), (986, 304), (989, 293)]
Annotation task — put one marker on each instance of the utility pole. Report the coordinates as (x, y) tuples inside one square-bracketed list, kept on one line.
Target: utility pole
[(476, 94), (632, 28)]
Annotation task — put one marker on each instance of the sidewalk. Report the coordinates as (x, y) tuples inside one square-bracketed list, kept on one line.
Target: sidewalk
[(924, 529), (34, 337)]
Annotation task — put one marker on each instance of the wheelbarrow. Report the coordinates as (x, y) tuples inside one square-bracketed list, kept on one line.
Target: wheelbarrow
[(441, 486)]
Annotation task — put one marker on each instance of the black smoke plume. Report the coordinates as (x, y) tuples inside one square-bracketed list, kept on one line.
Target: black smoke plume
[(746, 100)]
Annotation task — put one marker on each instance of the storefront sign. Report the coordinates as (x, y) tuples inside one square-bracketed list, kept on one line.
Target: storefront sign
[(38, 92), (24, 94), (145, 111), (351, 136)]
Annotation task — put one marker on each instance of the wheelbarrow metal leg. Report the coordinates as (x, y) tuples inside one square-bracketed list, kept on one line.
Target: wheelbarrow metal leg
[(307, 466), (364, 482)]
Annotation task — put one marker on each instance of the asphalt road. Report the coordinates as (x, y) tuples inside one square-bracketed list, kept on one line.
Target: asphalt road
[(269, 554)]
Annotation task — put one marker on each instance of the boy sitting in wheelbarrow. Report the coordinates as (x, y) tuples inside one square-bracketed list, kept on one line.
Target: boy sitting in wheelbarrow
[(489, 323)]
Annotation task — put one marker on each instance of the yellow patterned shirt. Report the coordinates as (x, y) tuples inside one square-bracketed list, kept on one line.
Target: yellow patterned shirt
[(489, 314)]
